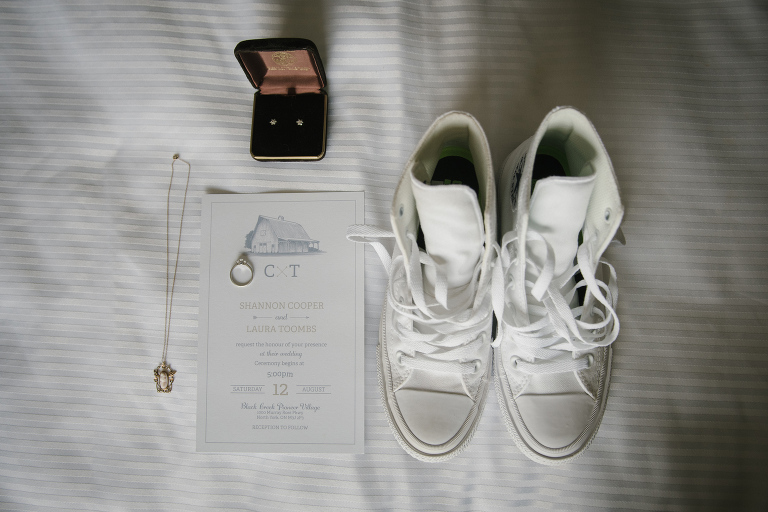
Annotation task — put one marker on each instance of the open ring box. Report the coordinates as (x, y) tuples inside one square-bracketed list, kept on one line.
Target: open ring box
[(290, 107)]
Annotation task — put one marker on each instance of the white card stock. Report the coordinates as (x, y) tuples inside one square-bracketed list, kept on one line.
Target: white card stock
[(280, 362)]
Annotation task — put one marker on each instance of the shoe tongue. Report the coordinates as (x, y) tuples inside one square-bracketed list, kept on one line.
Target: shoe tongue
[(558, 210), (452, 224)]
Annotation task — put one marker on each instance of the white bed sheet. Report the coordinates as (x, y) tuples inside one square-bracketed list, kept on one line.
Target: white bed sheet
[(95, 98)]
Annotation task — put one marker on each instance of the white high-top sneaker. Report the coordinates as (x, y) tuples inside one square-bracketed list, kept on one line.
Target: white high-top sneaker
[(434, 352), (559, 209)]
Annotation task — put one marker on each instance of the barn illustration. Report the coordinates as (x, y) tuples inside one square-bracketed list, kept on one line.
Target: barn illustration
[(279, 236)]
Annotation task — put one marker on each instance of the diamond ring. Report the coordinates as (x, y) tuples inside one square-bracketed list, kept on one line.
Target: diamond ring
[(241, 273)]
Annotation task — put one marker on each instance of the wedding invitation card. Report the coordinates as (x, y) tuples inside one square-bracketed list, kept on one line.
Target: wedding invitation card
[(280, 363)]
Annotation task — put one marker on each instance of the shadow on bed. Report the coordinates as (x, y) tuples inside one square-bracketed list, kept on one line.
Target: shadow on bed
[(306, 19)]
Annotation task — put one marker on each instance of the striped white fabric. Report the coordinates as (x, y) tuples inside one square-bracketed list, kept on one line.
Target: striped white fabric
[(95, 98)]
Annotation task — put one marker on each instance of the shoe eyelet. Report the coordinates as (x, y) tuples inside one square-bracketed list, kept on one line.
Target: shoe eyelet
[(402, 210), (514, 361), (607, 215), (477, 365), (590, 361), (399, 356)]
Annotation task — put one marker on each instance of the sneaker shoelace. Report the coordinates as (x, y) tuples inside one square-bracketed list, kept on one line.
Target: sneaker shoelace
[(553, 337), (438, 338)]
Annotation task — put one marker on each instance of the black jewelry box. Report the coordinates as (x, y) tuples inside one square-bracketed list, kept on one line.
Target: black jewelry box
[(290, 107)]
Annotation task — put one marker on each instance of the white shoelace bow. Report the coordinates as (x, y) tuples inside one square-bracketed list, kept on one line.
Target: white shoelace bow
[(435, 337), (553, 336)]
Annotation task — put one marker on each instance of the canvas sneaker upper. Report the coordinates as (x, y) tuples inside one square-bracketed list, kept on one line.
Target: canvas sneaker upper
[(434, 351), (554, 296)]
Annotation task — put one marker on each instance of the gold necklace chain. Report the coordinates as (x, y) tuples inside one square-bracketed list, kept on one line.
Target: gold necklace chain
[(164, 374)]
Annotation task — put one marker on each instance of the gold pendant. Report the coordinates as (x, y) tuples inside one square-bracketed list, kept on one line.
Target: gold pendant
[(164, 378)]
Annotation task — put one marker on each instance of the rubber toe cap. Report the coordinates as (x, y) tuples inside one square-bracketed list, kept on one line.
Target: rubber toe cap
[(433, 417), (555, 421)]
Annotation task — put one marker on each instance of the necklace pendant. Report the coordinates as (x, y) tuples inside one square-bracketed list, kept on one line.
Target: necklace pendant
[(164, 377)]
